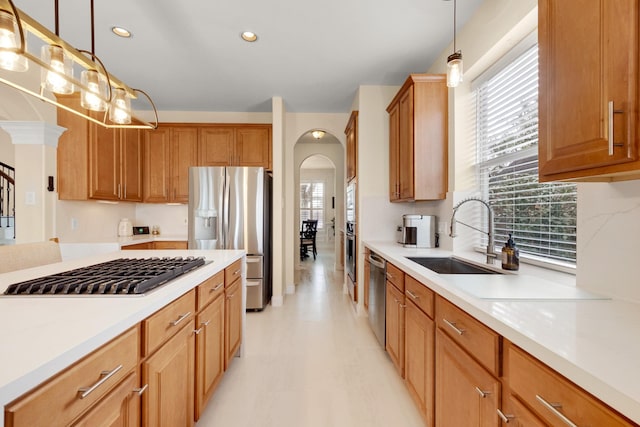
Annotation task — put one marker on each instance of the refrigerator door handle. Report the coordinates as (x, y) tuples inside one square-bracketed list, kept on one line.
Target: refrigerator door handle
[(225, 211)]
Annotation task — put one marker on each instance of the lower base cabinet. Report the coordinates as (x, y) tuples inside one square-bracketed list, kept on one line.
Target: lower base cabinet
[(419, 366), (209, 352), (466, 394), (120, 408), (232, 321), (169, 374), (395, 344)]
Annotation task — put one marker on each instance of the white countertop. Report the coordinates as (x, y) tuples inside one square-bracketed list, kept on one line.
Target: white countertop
[(40, 336), (129, 240), (594, 343)]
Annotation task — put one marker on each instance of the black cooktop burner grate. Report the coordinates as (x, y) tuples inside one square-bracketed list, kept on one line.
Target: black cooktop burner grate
[(118, 277)]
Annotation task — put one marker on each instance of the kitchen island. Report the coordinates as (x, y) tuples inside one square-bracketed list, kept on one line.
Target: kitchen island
[(589, 339), (42, 336)]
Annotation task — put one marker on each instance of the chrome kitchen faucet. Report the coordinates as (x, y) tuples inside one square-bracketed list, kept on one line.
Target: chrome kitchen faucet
[(491, 254)]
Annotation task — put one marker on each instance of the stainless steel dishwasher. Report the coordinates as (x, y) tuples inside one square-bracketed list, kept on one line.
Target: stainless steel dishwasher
[(377, 299)]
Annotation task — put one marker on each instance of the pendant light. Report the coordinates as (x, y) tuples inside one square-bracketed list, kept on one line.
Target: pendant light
[(120, 108), (95, 93), (317, 134), (10, 33), (58, 78), (454, 61)]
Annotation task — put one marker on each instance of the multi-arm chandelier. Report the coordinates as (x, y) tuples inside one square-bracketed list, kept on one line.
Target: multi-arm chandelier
[(105, 100)]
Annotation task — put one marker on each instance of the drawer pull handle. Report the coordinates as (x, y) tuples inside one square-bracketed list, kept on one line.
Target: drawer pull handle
[(235, 273), (505, 418), (205, 323), (412, 295), (180, 319), (197, 331), (216, 288), (553, 408), (86, 391), (482, 394), (453, 326), (141, 390), (390, 277), (231, 296)]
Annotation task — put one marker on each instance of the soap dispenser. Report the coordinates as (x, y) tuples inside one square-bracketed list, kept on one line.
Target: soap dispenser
[(510, 255)]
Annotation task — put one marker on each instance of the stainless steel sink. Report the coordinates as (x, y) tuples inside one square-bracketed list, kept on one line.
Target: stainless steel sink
[(450, 265)]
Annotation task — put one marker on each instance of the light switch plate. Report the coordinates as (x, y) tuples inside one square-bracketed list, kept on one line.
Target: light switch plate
[(30, 198)]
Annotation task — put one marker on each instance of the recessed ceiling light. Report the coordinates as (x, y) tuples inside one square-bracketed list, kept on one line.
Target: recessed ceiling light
[(248, 36), (122, 32)]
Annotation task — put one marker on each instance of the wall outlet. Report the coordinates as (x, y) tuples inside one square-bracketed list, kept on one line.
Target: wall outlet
[(186, 221), (443, 227), (74, 223)]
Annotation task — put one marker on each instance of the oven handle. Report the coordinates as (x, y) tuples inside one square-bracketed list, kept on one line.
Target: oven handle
[(377, 261)]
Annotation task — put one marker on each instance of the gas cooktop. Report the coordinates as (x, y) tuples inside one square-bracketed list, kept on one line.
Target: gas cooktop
[(124, 276)]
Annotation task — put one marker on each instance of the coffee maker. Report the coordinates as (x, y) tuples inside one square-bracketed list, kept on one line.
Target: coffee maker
[(417, 231)]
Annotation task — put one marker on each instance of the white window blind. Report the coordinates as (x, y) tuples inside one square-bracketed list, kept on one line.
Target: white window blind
[(312, 202), (541, 216)]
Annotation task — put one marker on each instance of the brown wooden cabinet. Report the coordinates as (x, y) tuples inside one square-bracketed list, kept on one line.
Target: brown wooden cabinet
[(466, 394), (209, 351), (588, 124), (169, 373), (418, 140), (419, 366), (395, 326), (232, 321), (351, 131), (58, 401), (115, 164), (235, 145), (169, 151), (516, 414)]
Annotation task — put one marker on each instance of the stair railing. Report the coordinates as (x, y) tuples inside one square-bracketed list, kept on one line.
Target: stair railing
[(7, 199)]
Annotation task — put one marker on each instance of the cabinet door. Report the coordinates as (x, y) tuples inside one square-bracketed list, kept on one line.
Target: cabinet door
[(216, 146), (131, 161), (184, 154), (104, 163), (395, 326), (232, 321), (119, 408), (253, 147), (209, 352), (420, 360), (586, 99), (406, 147), (466, 394), (169, 373), (156, 165), (394, 150), (73, 152)]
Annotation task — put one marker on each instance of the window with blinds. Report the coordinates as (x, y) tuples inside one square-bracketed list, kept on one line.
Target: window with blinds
[(312, 202), (541, 216)]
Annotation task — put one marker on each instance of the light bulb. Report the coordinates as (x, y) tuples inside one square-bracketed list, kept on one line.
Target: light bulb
[(120, 109), (94, 97), (454, 69), (54, 80), (10, 60)]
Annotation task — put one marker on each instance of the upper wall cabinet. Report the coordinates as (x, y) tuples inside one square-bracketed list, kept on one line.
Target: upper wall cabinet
[(588, 90), (418, 139), (96, 162), (235, 145), (351, 131)]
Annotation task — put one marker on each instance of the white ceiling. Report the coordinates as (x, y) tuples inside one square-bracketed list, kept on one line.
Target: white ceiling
[(188, 55)]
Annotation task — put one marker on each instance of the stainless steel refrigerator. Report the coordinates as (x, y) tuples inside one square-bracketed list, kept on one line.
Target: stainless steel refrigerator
[(230, 208)]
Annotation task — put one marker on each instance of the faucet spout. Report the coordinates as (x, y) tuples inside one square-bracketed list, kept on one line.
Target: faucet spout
[(491, 254)]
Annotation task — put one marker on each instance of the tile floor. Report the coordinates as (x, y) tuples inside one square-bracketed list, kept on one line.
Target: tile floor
[(311, 363)]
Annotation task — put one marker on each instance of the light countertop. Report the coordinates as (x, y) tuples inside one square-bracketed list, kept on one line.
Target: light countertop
[(592, 342), (41, 336)]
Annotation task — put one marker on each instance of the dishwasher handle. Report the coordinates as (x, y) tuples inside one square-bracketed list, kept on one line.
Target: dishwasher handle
[(377, 261)]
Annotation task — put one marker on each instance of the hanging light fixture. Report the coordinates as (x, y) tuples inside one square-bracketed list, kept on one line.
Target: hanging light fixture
[(454, 61), (317, 134), (10, 34), (58, 79), (99, 90)]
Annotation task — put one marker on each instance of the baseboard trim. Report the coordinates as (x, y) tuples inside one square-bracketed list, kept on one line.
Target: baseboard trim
[(277, 301)]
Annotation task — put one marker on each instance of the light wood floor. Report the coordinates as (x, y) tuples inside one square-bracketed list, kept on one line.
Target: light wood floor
[(311, 363)]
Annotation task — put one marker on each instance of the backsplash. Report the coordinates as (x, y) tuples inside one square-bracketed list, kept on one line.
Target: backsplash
[(172, 219)]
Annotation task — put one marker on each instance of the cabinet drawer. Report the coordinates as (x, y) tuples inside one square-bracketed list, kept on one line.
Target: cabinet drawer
[(543, 390), (232, 272), (136, 246), (59, 401), (210, 289), (165, 322), (395, 276), (481, 342), (169, 244), (420, 295)]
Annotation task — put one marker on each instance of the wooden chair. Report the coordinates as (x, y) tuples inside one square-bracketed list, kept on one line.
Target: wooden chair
[(308, 238), (27, 255)]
